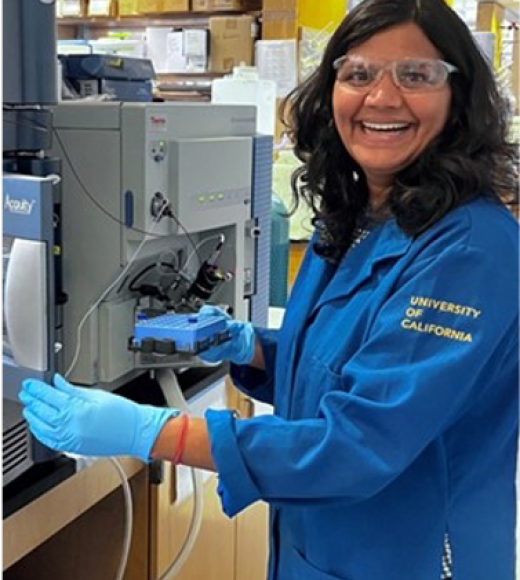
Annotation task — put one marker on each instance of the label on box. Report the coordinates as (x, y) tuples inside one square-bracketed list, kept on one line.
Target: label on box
[(99, 7), (196, 49), (276, 60), (71, 8), (175, 58), (209, 5)]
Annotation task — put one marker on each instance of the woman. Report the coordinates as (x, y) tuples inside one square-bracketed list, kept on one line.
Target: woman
[(394, 376)]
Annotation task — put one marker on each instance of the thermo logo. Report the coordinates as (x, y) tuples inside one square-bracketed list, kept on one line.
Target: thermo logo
[(19, 206), (158, 123)]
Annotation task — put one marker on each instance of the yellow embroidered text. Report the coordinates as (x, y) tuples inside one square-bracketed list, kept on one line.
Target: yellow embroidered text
[(437, 330), (443, 306)]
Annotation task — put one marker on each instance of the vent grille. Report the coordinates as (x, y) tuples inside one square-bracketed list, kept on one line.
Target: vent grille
[(16, 450)]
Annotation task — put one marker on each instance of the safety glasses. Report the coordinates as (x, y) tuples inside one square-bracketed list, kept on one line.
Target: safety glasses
[(411, 75)]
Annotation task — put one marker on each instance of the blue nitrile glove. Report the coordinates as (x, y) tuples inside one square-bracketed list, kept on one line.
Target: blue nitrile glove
[(90, 421), (240, 349)]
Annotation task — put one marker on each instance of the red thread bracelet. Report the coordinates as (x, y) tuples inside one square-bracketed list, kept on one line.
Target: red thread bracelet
[(181, 440)]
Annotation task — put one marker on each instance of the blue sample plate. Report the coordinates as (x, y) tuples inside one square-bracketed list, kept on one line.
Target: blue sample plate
[(170, 333)]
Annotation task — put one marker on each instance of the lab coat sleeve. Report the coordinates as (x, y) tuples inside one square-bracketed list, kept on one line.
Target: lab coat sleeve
[(253, 382), (399, 392)]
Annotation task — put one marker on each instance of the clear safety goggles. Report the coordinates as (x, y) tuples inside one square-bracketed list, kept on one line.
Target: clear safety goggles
[(411, 75)]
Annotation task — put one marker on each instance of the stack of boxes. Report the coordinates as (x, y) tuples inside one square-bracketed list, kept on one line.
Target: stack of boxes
[(134, 7), (280, 19), (220, 43), (114, 8), (231, 42), (159, 6), (95, 8), (225, 5)]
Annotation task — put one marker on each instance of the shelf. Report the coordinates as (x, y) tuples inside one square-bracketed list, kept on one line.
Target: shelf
[(170, 19), (186, 75)]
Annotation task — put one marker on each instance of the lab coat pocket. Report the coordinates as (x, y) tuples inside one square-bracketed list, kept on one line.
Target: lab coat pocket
[(326, 371), (302, 569), (314, 380)]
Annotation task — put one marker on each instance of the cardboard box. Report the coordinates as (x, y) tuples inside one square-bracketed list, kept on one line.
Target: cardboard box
[(214, 5), (150, 6), (72, 8), (280, 19), (102, 8), (162, 6), (128, 7), (176, 5), (231, 42)]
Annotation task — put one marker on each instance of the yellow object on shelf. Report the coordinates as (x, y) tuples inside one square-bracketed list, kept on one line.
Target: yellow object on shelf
[(319, 15), (490, 16)]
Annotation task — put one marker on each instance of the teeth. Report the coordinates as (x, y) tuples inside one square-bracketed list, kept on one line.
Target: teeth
[(385, 126)]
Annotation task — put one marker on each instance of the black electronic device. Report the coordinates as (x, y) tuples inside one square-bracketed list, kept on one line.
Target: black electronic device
[(122, 78)]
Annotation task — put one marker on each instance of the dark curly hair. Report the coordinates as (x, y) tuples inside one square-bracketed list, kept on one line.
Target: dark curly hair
[(471, 157)]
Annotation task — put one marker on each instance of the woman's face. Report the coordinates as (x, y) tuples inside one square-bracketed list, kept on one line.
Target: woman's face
[(383, 127)]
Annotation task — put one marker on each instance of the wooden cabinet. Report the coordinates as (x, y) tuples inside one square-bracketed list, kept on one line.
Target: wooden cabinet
[(252, 543), (296, 254), (213, 555), (89, 542), (225, 549)]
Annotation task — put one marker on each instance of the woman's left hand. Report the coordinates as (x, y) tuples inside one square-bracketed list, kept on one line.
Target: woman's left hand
[(88, 421)]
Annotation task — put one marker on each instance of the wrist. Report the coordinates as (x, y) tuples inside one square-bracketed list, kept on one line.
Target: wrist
[(166, 441), (247, 352), (152, 423), (181, 439)]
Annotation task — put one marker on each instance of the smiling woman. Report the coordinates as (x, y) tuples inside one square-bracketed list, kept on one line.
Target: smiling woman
[(369, 138)]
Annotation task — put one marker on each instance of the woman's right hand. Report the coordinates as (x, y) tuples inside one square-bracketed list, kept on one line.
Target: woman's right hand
[(240, 349)]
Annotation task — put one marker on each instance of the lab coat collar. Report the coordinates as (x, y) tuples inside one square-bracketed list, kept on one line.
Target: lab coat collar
[(386, 241)]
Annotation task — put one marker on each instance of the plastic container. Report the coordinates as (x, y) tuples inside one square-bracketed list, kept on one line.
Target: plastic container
[(244, 87), (189, 332), (279, 254)]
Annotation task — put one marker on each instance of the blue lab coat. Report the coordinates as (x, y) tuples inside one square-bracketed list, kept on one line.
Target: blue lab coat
[(394, 380)]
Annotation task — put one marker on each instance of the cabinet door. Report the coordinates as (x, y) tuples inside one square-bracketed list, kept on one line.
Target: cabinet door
[(89, 547), (171, 510), (253, 523)]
